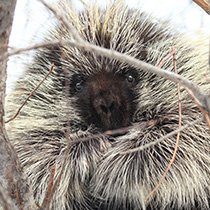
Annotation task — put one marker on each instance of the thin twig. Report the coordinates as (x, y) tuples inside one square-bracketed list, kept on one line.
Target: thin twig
[(166, 58), (38, 205), (205, 113), (16, 51), (46, 204), (18, 111), (161, 139), (20, 205), (122, 131), (49, 189), (61, 17), (178, 134)]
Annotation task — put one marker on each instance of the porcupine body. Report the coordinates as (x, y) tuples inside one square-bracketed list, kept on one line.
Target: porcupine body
[(93, 94)]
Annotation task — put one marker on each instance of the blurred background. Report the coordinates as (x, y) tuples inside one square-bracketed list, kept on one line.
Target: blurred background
[(31, 20)]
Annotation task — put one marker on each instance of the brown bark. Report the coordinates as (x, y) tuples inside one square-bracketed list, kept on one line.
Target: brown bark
[(204, 4)]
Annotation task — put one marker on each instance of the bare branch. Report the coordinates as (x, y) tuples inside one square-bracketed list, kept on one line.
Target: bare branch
[(204, 100), (180, 124), (204, 4), (161, 139), (205, 114), (18, 111), (13, 183), (16, 51)]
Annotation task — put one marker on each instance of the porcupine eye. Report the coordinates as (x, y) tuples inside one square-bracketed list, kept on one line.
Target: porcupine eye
[(130, 79), (78, 86)]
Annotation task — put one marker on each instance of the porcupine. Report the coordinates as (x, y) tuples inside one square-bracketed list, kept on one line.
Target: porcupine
[(94, 94)]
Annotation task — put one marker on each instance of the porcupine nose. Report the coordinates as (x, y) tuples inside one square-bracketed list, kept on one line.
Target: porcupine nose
[(106, 104), (106, 108)]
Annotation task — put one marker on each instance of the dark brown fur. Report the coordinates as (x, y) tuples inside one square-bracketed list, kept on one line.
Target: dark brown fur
[(107, 100)]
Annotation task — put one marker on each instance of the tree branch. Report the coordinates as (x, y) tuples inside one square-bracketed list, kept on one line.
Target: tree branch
[(203, 98), (12, 182), (204, 4)]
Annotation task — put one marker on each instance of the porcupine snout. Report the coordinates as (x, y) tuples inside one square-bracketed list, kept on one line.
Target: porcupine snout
[(105, 101), (106, 104)]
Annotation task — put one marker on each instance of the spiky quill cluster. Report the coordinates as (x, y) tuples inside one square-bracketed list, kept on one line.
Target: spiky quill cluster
[(105, 94)]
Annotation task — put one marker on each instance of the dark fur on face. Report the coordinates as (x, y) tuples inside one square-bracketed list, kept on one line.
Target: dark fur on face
[(106, 100)]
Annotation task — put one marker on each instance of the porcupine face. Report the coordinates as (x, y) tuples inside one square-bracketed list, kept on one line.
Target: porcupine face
[(106, 100)]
